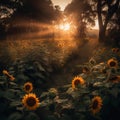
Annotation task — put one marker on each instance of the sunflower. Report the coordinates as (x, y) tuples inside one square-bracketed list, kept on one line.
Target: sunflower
[(115, 79), (28, 87), (115, 50), (77, 81), (5, 72), (112, 63), (30, 101), (96, 104)]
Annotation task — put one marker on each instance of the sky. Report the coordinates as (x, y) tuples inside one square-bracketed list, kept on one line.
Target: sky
[(61, 3)]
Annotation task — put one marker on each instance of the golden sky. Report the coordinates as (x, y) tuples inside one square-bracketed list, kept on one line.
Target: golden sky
[(61, 3)]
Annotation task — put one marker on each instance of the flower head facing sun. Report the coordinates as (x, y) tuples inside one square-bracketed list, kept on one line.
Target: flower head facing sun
[(112, 63), (30, 101), (115, 50), (77, 81), (28, 87), (115, 79), (96, 104)]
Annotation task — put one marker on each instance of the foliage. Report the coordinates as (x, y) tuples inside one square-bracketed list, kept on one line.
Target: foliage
[(15, 14), (81, 14), (63, 102), (114, 29), (106, 10)]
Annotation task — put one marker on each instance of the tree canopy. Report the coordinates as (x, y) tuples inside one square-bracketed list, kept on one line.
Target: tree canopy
[(106, 9), (81, 13), (15, 11)]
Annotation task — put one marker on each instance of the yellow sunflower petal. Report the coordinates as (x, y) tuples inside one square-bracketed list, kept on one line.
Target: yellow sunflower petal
[(5, 72), (96, 104), (112, 63), (28, 87), (77, 81), (30, 101), (114, 79)]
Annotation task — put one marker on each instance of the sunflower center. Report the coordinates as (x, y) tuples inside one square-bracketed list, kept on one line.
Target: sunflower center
[(77, 82), (95, 104), (112, 64), (117, 50), (27, 87), (31, 101)]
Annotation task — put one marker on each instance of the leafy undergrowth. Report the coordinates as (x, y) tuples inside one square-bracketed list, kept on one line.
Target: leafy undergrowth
[(93, 94)]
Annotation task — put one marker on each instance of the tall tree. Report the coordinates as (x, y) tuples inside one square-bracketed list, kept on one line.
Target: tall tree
[(80, 12), (105, 11), (7, 9), (24, 11), (113, 33)]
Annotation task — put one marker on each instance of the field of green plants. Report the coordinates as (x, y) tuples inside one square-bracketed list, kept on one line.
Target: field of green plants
[(92, 94)]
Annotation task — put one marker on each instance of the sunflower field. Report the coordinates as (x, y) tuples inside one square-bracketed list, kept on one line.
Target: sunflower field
[(93, 94)]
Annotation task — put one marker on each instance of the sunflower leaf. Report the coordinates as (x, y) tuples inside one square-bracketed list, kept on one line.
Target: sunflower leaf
[(44, 95), (15, 103), (2, 82), (32, 116), (114, 92), (50, 117), (15, 116)]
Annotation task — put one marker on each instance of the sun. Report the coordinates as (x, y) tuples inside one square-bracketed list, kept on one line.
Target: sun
[(65, 26)]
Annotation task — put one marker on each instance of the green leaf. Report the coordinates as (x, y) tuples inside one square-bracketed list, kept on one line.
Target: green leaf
[(9, 94), (15, 116), (12, 83), (70, 90), (68, 105), (2, 82), (44, 95), (41, 68), (114, 92), (94, 93), (46, 103), (2, 93), (108, 85), (32, 116), (20, 108), (84, 91), (15, 103), (65, 117), (50, 117), (39, 75), (98, 84)]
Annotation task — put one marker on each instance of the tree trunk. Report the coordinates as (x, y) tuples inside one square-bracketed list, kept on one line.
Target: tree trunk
[(102, 35), (100, 22), (103, 24)]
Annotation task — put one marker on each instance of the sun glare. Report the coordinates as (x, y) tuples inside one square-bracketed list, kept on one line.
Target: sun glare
[(65, 27)]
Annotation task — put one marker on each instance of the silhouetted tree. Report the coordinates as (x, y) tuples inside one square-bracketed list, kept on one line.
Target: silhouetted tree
[(26, 10), (81, 13), (105, 9), (38, 9), (7, 9), (113, 33)]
